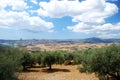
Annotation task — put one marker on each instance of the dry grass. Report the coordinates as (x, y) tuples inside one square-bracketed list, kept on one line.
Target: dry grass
[(64, 46), (59, 72)]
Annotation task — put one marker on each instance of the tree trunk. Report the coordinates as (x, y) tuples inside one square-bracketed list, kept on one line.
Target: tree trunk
[(31, 65), (50, 67), (118, 77), (24, 68)]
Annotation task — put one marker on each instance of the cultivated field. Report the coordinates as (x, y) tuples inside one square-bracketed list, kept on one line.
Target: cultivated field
[(59, 72), (65, 46)]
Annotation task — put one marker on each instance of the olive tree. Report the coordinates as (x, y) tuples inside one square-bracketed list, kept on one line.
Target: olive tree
[(104, 62), (51, 57), (10, 61), (29, 59)]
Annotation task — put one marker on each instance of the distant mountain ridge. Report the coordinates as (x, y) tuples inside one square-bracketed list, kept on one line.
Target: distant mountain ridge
[(99, 40), (46, 41), (93, 40)]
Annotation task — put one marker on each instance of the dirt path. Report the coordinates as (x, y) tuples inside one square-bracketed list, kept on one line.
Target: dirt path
[(59, 72)]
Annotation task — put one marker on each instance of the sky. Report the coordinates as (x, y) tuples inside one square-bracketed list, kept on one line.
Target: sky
[(59, 19)]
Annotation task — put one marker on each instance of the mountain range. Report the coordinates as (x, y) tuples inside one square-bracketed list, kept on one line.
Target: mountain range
[(46, 41)]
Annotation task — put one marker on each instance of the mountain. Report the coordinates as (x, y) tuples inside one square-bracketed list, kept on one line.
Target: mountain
[(111, 40), (6, 41), (93, 40), (49, 41), (99, 40)]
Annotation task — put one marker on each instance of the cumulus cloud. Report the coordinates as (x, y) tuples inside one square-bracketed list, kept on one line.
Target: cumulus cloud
[(108, 36), (89, 11), (90, 15), (81, 27), (34, 1), (21, 19), (14, 4), (107, 28), (97, 15), (18, 4)]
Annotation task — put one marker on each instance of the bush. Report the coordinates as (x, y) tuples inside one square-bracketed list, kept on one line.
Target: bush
[(9, 62), (77, 57), (103, 61), (29, 59)]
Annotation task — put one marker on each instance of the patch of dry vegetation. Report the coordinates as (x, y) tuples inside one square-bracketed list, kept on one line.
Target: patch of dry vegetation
[(65, 46)]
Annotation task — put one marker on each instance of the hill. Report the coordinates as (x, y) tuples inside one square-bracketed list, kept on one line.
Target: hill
[(49, 41)]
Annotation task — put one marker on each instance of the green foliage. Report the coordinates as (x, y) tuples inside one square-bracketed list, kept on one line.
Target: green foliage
[(43, 58), (103, 61), (38, 57), (73, 56), (51, 57), (59, 57), (26, 60), (9, 62), (47, 59), (69, 56), (29, 59), (77, 57)]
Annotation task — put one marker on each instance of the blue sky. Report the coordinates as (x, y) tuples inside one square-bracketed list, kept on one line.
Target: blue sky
[(59, 19)]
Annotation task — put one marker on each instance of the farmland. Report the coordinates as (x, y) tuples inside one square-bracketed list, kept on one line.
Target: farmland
[(63, 61), (65, 46)]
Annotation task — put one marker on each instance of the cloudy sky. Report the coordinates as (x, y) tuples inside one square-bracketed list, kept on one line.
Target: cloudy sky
[(59, 19)]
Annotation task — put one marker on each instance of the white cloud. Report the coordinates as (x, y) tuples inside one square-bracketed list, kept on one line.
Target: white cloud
[(82, 27), (15, 4), (89, 11), (108, 27), (51, 30), (102, 30), (112, 0), (34, 1), (18, 4), (21, 19), (41, 12), (108, 36), (90, 15), (97, 16)]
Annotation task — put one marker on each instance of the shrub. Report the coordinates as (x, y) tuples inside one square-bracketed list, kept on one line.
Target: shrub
[(9, 62), (28, 60), (104, 62)]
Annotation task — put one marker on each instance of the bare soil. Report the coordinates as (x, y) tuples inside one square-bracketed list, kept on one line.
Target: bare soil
[(58, 72)]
